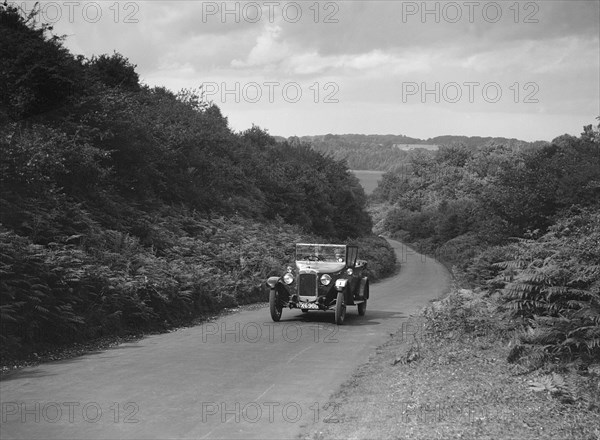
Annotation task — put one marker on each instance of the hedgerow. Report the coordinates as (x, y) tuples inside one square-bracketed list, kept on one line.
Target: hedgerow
[(105, 282)]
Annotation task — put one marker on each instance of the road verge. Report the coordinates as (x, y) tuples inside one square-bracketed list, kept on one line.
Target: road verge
[(445, 374)]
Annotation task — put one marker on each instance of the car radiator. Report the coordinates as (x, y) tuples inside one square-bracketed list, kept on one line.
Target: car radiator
[(307, 284)]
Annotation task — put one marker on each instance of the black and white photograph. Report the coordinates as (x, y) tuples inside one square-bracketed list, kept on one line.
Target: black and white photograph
[(300, 220)]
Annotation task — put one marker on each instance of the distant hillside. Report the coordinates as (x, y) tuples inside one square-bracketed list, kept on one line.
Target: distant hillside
[(378, 139), (474, 141), (408, 147), (387, 151)]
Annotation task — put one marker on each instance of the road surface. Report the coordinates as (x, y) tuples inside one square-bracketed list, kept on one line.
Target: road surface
[(240, 376)]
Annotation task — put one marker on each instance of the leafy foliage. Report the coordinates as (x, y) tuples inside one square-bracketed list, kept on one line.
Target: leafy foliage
[(114, 71), (489, 193), (88, 285), (110, 135), (464, 314), (380, 257), (39, 74), (554, 284), (516, 218)]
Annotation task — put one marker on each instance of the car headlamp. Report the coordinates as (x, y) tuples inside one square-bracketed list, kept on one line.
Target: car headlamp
[(288, 278), (349, 271), (325, 279)]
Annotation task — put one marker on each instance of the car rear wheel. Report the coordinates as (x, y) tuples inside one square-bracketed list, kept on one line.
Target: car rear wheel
[(362, 308), (340, 308), (275, 306)]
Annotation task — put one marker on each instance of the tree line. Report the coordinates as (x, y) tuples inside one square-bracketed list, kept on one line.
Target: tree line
[(521, 220), (87, 128), (382, 152)]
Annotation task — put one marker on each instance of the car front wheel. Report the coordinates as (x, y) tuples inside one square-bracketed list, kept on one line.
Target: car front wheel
[(340, 308), (275, 306)]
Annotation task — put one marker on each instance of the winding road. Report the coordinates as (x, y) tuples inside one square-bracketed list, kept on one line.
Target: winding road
[(240, 376)]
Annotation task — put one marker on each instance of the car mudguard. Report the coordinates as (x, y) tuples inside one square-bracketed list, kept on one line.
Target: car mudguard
[(272, 281), (281, 288), (284, 293)]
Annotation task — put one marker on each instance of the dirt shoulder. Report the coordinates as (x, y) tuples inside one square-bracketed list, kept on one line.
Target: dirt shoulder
[(438, 380)]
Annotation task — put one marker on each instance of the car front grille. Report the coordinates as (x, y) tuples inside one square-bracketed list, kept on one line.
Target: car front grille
[(307, 284)]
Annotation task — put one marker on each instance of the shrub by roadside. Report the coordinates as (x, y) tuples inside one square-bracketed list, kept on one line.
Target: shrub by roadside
[(380, 257), (550, 280), (107, 283)]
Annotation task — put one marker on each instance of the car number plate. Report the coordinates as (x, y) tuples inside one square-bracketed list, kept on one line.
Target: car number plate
[(309, 306)]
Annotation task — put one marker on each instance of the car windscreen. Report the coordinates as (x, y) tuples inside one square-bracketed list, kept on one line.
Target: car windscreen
[(321, 252)]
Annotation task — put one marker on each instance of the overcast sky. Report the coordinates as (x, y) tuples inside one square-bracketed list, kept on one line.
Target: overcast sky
[(529, 70)]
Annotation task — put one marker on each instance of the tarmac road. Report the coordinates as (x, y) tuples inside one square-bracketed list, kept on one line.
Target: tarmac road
[(241, 376)]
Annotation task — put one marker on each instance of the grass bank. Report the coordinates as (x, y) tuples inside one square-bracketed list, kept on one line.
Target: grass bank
[(447, 374)]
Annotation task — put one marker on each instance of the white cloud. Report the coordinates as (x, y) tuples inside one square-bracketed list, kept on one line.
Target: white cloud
[(314, 63), (269, 50)]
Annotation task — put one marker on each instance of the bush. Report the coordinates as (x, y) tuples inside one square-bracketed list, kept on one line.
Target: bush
[(553, 284), (380, 256), (464, 313)]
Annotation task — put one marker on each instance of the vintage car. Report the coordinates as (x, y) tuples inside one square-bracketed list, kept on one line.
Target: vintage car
[(326, 277)]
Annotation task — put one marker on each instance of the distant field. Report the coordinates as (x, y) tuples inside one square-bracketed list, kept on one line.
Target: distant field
[(368, 179)]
